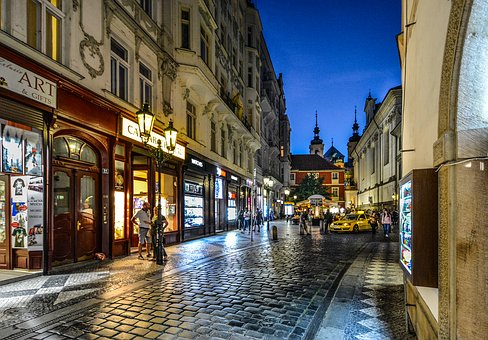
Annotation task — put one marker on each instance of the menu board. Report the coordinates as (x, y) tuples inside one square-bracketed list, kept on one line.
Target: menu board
[(406, 225)]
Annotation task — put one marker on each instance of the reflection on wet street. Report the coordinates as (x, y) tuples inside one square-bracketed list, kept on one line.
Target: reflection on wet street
[(224, 286)]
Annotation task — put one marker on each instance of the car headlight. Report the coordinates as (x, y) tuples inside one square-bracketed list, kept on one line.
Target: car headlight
[(346, 224)]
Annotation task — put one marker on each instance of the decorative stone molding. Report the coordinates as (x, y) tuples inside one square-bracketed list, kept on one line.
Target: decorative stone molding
[(93, 48), (168, 67), (138, 38), (90, 44), (76, 3), (186, 93), (167, 109), (109, 8)]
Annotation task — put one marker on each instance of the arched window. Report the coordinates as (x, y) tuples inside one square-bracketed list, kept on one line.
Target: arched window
[(74, 148)]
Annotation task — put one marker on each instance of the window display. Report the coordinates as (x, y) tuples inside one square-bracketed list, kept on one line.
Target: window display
[(231, 206), (193, 205), (119, 208), (406, 225), (3, 229)]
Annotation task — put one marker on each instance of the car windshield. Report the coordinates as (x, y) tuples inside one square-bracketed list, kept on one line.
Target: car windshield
[(351, 217)]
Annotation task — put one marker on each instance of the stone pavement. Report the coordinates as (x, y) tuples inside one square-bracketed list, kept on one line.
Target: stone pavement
[(218, 287)]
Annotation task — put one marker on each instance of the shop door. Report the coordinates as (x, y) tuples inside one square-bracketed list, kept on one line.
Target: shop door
[(140, 190), (76, 226)]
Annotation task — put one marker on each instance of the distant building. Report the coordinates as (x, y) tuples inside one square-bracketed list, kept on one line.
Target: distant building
[(376, 155), (334, 156), (317, 165)]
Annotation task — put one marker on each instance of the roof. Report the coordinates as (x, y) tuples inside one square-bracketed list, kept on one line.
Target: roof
[(333, 153), (311, 162)]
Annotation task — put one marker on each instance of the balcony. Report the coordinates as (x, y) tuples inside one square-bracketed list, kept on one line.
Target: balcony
[(228, 101)]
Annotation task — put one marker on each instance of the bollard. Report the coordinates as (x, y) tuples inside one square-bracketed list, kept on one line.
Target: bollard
[(302, 232), (275, 233)]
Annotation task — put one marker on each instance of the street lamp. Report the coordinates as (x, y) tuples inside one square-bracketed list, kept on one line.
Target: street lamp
[(145, 120)]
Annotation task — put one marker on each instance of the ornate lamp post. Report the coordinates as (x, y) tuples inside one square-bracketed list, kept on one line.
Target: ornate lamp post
[(145, 119)]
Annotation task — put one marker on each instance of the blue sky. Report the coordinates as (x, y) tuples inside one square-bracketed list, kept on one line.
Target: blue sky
[(331, 53)]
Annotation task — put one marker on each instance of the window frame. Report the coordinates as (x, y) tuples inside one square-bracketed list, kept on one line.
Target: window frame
[(120, 63), (191, 120), (213, 136), (145, 83), (223, 151), (335, 192), (204, 46), (185, 35), (44, 7)]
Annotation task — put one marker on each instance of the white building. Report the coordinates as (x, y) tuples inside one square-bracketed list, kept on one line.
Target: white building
[(377, 154)]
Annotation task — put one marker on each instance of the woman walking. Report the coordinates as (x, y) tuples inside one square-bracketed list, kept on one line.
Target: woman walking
[(386, 221)]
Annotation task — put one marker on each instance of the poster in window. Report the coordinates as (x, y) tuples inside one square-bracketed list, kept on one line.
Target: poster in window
[(19, 211), (219, 188), (35, 191), (12, 160), (33, 153), (19, 188), (119, 175)]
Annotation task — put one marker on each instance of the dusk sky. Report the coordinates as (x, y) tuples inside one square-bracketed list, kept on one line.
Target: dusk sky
[(331, 53)]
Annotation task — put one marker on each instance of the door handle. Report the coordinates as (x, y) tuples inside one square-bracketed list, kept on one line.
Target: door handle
[(78, 224)]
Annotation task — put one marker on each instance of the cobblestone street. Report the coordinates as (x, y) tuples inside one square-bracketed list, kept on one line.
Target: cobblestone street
[(223, 286)]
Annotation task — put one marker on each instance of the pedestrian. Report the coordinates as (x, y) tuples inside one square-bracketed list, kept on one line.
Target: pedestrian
[(303, 220), (259, 218), (373, 222), (328, 220), (154, 232), (247, 219), (240, 219), (386, 221), (142, 219)]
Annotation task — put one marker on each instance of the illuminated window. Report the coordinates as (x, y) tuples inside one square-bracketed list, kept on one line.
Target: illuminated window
[(44, 22), (145, 84), (74, 148), (119, 63)]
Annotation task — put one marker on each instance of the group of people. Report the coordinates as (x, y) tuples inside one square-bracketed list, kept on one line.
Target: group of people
[(385, 219), (246, 220), (147, 228)]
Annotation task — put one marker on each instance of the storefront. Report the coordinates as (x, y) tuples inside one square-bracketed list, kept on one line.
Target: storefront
[(232, 199), (220, 199), (24, 110), (136, 181), (198, 221)]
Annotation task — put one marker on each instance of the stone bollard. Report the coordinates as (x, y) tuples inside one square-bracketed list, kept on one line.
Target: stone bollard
[(322, 227), (275, 233), (302, 231)]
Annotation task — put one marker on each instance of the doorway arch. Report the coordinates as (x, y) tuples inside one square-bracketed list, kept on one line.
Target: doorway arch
[(76, 199)]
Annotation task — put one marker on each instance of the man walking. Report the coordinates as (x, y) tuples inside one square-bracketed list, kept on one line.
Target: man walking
[(142, 218)]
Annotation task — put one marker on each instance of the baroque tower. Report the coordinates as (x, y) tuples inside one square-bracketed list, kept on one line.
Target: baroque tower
[(317, 144)]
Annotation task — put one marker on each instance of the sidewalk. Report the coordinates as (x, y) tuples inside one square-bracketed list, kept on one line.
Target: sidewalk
[(369, 302)]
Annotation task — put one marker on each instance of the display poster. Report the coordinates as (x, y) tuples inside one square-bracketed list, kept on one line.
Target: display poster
[(35, 213), (119, 208), (219, 188), (119, 175), (12, 160), (20, 215), (33, 153)]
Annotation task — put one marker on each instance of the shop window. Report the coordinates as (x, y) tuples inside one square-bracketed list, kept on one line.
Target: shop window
[(21, 151), (119, 68), (74, 148), (145, 85), (44, 22), (168, 200)]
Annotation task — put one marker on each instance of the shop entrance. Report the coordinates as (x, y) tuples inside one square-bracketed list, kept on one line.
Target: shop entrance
[(140, 189), (76, 202), (75, 215)]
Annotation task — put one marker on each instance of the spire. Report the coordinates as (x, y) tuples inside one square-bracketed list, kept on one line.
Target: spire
[(355, 128), (369, 95), (316, 139), (332, 141)]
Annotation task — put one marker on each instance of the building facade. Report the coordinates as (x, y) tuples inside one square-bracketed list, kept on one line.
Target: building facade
[(73, 75), (445, 130), (376, 155)]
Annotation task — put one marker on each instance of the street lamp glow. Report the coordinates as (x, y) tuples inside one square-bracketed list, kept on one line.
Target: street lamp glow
[(287, 192), (145, 120), (170, 134)]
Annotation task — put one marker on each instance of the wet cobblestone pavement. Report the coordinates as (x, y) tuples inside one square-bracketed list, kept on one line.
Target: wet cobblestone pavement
[(219, 287)]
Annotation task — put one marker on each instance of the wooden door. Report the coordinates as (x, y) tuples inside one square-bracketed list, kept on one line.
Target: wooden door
[(86, 215), (76, 200)]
